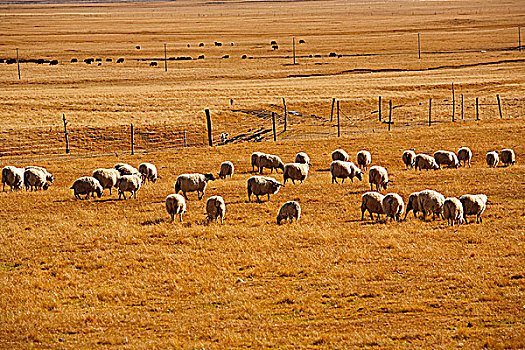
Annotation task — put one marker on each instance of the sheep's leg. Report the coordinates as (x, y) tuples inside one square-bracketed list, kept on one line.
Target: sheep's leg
[(185, 197), (200, 195), (87, 196), (110, 191), (269, 198), (371, 187), (222, 219), (180, 217), (293, 181), (135, 194), (334, 179), (343, 181), (258, 199)]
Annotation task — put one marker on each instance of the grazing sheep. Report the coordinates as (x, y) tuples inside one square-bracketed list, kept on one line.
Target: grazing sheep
[(413, 204), (87, 185), (13, 177), (431, 202), (373, 202), (126, 169), (340, 154), (393, 206), (342, 170), (175, 204), (492, 159), (271, 162), (378, 176), (129, 183), (453, 211), (409, 157), (148, 172), (508, 157), (364, 159), (226, 169), (289, 211), (446, 158), (107, 178), (215, 208), (302, 158), (295, 171), (255, 160), (465, 155), (473, 204), (424, 161), (261, 185), (47, 174), (193, 182), (34, 178)]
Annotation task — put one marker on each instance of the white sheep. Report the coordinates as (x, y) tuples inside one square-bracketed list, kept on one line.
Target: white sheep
[(193, 182), (34, 178), (271, 162), (343, 170), (409, 157), (373, 202), (453, 211), (255, 160), (13, 177), (473, 204), (295, 171), (87, 185), (492, 159), (412, 204), (508, 157), (364, 159), (302, 157), (378, 176), (424, 161), (129, 183), (175, 204), (148, 172), (431, 201), (126, 169), (340, 154), (465, 155), (226, 169), (289, 211), (48, 175), (215, 208), (107, 178), (393, 206), (261, 185), (446, 158)]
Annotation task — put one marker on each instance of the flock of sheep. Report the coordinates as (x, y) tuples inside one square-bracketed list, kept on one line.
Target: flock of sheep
[(126, 178)]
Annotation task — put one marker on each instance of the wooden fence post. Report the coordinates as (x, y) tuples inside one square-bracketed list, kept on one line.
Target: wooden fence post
[(519, 39), (338, 122), (461, 106), (285, 115), (273, 127), (389, 114), (499, 106), (430, 112), (453, 104), (65, 132), (184, 135), (477, 108), (332, 111), (379, 110), (208, 124), (293, 44), (132, 140), (18, 63), (165, 59), (418, 46)]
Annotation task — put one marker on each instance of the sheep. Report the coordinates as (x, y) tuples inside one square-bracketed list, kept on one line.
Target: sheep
[(453, 211), (47, 174), (215, 208), (342, 170), (129, 183), (373, 202), (430, 201), (409, 157), (270, 161), (224, 136), (295, 171), (175, 204), (413, 204), (302, 158), (126, 169), (378, 176), (446, 158), (465, 155), (473, 204), (13, 177), (289, 211), (107, 178), (255, 160), (148, 172), (193, 182), (364, 159), (226, 169), (424, 161), (340, 154), (35, 178), (492, 159), (87, 185), (261, 185), (393, 206), (508, 157)]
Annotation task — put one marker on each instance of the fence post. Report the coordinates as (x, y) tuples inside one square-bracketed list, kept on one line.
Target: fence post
[(165, 59), (379, 110), (273, 127), (208, 124), (477, 108), (499, 106), (332, 111), (430, 111), (338, 122), (453, 104), (389, 114), (18, 63), (519, 39), (65, 132), (285, 115), (293, 44), (461, 106), (418, 46), (132, 140), (184, 135)]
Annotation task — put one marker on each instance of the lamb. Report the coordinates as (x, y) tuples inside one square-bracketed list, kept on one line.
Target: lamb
[(148, 172), (107, 178), (465, 155), (193, 182), (13, 177), (446, 158), (378, 175), (126, 169), (87, 185), (48, 175), (364, 159), (129, 183), (215, 208), (342, 170), (35, 178), (289, 211), (226, 169), (373, 202), (492, 159), (424, 161), (473, 204), (508, 157), (255, 160), (409, 157), (453, 211), (175, 204), (393, 206), (413, 204), (340, 154), (271, 162), (261, 185), (431, 202), (295, 171), (302, 158)]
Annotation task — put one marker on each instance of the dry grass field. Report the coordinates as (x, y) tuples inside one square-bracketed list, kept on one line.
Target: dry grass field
[(113, 273)]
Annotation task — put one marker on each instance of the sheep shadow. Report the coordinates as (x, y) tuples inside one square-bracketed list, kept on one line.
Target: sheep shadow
[(109, 200), (153, 222), (322, 170)]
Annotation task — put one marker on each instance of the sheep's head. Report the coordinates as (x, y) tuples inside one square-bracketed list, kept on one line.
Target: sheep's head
[(275, 186), (279, 219), (99, 191), (209, 177), (50, 178), (46, 186), (359, 175)]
